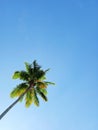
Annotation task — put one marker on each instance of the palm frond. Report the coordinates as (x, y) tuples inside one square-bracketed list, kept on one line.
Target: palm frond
[(43, 90), (49, 83), (47, 70), (41, 84), (35, 98), (42, 75), (41, 93), (28, 68), (29, 97), (20, 89), (39, 74), (35, 65), (42, 78), (44, 84), (22, 75), (16, 75)]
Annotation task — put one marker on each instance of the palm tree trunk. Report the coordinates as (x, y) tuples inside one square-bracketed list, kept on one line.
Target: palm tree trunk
[(13, 104)]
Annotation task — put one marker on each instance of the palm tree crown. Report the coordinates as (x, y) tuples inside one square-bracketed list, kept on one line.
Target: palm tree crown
[(33, 81), (33, 84)]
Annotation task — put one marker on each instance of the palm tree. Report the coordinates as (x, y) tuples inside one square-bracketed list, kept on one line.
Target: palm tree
[(33, 84)]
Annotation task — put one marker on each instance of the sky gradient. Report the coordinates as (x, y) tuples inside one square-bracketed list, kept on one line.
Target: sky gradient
[(61, 35)]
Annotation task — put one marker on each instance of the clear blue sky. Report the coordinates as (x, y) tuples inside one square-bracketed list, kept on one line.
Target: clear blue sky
[(61, 35)]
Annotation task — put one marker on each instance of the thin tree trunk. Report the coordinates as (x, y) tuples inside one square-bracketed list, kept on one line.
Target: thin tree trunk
[(13, 104)]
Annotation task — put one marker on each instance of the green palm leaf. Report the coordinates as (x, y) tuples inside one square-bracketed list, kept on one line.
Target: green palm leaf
[(41, 85), (35, 98), (28, 68), (35, 65), (42, 78), (16, 75), (49, 83), (44, 91), (29, 97), (20, 89), (22, 75), (41, 93), (38, 74)]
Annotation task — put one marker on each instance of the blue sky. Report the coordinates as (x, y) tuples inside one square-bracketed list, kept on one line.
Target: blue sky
[(61, 35)]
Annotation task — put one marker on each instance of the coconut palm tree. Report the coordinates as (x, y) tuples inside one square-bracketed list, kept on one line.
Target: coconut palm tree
[(33, 84)]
